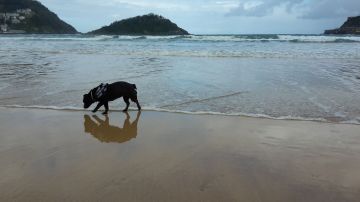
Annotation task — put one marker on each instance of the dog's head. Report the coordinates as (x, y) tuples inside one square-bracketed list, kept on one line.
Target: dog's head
[(87, 100)]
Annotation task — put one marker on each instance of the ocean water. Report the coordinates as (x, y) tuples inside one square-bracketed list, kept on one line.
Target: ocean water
[(310, 77)]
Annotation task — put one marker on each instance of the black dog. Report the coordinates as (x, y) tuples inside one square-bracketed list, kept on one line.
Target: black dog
[(109, 92)]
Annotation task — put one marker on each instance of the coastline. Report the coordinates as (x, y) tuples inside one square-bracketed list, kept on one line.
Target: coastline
[(75, 155), (198, 113)]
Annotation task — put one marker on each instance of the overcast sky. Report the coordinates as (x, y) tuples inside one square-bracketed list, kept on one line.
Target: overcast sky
[(214, 16)]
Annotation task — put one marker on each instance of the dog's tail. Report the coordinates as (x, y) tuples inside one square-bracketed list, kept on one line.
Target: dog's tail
[(134, 86)]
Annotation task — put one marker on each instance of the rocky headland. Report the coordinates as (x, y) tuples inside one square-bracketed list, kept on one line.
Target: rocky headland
[(351, 26)]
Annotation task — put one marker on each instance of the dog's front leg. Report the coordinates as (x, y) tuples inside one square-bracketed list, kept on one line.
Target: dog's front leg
[(106, 105), (97, 107)]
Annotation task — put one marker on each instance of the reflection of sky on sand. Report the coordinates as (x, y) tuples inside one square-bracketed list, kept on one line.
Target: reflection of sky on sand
[(105, 132), (47, 156)]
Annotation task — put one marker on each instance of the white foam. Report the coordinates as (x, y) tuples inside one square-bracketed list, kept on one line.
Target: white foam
[(318, 38), (4, 86), (207, 38), (44, 107), (264, 116)]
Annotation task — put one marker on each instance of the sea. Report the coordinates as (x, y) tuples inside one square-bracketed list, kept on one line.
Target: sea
[(297, 77)]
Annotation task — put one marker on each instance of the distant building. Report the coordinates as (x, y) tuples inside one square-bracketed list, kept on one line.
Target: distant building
[(26, 11), (9, 19), (15, 21), (10, 15), (3, 28)]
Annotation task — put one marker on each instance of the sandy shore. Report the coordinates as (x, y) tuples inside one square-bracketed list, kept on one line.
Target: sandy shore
[(48, 155)]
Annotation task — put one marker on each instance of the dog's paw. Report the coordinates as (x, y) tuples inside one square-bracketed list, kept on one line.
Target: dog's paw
[(105, 113), (93, 111)]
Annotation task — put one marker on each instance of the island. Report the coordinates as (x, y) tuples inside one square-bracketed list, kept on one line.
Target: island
[(30, 17), (150, 24), (351, 26)]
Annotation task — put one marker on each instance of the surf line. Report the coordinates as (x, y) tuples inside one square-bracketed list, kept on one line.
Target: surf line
[(205, 99)]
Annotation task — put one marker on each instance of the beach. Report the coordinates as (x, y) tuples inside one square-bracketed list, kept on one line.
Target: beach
[(225, 118), (73, 155)]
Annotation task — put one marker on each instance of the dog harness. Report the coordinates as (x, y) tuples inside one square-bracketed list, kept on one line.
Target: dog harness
[(99, 92)]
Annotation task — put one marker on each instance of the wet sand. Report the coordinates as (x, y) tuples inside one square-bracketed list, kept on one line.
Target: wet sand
[(48, 155)]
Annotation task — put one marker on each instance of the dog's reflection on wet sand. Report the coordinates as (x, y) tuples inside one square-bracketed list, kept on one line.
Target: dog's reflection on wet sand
[(104, 132)]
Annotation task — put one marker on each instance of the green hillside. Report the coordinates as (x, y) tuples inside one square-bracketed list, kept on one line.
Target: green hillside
[(150, 24), (30, 16)]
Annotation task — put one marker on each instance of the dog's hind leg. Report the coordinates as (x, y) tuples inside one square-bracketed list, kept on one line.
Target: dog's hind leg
[(97, 107), (126, 100)]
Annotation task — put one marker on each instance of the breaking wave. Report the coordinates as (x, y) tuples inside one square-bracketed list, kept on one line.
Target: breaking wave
[(194, 38)]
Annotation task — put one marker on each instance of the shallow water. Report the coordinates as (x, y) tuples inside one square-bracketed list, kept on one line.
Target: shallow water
[(278, 76)]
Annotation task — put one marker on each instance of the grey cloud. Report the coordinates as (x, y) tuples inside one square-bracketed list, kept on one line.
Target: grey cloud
[(332, 9), (306, 9), (263, 8)]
